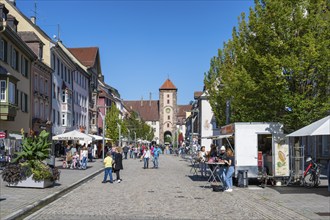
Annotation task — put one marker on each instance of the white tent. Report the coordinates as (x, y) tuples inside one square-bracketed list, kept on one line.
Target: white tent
[(74, 135), (320, 127), (98, 138)]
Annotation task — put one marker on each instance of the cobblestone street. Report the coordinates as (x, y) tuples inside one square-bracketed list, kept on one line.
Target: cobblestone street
[(171, 192)]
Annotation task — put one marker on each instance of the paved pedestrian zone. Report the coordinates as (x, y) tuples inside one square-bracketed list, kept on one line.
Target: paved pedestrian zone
[(172, 192)]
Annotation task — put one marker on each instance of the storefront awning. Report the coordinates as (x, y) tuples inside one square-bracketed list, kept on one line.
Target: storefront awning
[(320, 127)]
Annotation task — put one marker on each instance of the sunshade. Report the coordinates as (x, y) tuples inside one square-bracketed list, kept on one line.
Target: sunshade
[(74, 135), (320, 127)]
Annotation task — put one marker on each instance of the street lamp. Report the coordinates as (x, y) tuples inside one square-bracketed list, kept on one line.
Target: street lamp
[(103, 130), (119, 138), (192, 125)]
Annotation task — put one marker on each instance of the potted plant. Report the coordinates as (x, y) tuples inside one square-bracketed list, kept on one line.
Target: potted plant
[(28, 169)]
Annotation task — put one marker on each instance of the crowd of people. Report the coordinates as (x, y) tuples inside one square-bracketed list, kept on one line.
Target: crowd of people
[(227, 160), (76, 156)]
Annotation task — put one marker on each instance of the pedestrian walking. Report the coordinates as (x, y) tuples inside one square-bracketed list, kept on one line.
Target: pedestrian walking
[(230, 162), (118, 164), (202, 160), (108, 168), (84, 157), (146, 156), (157, 152), (125, 149)]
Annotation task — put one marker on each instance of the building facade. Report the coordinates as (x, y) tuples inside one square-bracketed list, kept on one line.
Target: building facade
[(16, 59)]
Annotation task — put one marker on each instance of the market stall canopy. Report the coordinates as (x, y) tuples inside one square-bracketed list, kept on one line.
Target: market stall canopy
[(74, 135), (320, 127), (98, 138)]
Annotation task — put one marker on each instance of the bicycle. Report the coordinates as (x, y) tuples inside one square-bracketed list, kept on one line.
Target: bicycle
[(312, 174)]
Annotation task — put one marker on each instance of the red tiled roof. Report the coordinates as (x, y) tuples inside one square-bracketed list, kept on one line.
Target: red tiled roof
[(148, 110), (86, 55), (197, 94), (168, 85), (182, 109)]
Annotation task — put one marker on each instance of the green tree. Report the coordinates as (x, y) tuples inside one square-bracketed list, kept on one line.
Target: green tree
[(111, 124), (135, 124), (278, 60)]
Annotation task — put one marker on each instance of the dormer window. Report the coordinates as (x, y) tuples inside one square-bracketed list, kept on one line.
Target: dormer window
[(40, 52), (3, 12)]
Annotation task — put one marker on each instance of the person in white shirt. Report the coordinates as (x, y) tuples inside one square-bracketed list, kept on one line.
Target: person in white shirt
[(202, 160), (146, 157)]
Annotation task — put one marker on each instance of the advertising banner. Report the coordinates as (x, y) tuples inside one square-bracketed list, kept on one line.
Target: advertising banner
[(281, 159)]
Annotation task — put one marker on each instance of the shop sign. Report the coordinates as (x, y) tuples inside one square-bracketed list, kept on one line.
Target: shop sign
[(228, 129), (2, 134)]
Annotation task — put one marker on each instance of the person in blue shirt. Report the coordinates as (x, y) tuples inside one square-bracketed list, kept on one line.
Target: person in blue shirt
[(157, 151)]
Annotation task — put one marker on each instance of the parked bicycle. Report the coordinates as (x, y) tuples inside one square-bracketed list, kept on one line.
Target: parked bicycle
[(310, 177), (312, 173)]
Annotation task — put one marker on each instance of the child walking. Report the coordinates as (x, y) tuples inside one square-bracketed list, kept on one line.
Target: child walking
[(108, 168)]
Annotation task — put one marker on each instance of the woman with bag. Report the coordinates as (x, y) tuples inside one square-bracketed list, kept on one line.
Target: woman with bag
[(118, 164)]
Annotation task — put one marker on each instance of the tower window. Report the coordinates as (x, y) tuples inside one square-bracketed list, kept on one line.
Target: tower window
[(168, 95), (168, 101), (168, 125), (168, 117)]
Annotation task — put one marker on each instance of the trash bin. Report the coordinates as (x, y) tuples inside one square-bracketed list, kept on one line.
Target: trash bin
[(243, 180)]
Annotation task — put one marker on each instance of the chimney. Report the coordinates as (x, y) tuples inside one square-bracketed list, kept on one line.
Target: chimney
[(33, 19), (141, 101), (150, 99), (12, 22)]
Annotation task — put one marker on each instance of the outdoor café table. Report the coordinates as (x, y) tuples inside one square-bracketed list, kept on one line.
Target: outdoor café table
[(214, 173)]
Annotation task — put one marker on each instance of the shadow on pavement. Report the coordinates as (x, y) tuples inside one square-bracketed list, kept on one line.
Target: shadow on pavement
[(321, 190)]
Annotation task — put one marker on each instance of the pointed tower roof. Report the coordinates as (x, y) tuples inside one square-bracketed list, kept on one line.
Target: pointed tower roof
[(168, 85)]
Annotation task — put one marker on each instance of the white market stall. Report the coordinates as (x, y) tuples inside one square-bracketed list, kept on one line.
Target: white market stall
[(312, 140), (257, 145)]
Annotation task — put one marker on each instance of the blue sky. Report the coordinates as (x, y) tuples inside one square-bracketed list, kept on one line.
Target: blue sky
[(143, 42)]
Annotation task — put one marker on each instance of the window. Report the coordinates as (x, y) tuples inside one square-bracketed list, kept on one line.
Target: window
[(65, 74), (41, 86), (12, 93), (61, 70), (36, 108), (58, 67), (63, 119), (168, 125), (168, 95), (2, 49), (168, 101), (40, 52), (42, 110), (46, 87), (69, 77), (63, 96), (58, 118), (54, 116), (14, 59), (35, 82), (54, 91), (154, 130), (3, 90), (153, 123), (58, 93), (46, 112), (168, 117), (25, 67), (24, 102)]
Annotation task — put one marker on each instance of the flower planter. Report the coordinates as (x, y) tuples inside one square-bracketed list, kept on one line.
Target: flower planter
[(30, 183)]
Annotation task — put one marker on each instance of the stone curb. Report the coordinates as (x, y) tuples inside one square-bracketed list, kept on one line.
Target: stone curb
[(29, 209)]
